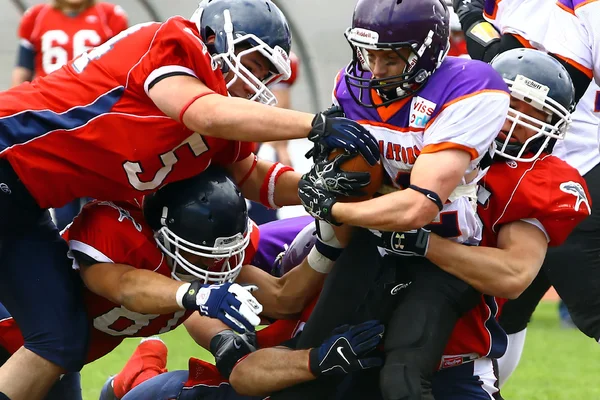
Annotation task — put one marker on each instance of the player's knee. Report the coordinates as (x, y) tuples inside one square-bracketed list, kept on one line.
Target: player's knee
[(66, 347), (400, 381)]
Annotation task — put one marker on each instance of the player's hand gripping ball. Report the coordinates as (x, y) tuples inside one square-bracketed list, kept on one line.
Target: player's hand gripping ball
[(354, 172)]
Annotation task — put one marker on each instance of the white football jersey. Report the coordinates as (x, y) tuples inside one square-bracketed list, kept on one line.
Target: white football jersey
[(535, 22)]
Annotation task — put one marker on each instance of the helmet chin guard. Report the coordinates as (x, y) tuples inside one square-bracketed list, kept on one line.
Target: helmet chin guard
[(227, 255), (246, 35)]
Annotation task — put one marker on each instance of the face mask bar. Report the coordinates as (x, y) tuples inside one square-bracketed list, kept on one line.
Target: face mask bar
[(359, 76), (516, 150), (228, 254), (276, 56)]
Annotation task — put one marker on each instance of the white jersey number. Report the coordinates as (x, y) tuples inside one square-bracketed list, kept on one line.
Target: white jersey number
[(138, 321), (54, 54), (195, 143)]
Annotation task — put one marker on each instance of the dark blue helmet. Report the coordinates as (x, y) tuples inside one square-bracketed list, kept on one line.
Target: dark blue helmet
[(203, 219), (246, 26), (541, 81), (423, 26)]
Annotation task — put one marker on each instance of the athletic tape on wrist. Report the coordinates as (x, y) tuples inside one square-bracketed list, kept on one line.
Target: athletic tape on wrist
[(319, 262), (181, 293)]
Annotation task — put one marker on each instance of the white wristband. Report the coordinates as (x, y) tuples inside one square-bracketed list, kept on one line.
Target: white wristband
[(319, 262), (180, 293)]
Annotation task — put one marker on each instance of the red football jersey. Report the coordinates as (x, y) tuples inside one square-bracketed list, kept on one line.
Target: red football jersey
[(547, 192), (56, 37), (117, 233), (90, 129)]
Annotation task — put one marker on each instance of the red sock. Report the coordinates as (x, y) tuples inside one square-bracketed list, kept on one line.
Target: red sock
[(147, 361)]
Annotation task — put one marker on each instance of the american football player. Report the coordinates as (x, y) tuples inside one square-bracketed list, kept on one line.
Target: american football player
[(152, 105), (572, 45), (435, 118)]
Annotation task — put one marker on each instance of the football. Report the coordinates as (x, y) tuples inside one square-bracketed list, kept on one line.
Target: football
[(359, 164)]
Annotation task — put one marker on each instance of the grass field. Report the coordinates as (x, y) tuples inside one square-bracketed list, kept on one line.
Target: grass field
[(558, 364)]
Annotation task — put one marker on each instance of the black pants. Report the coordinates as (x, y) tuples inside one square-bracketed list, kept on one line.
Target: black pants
[(418, 302), (574, 271)]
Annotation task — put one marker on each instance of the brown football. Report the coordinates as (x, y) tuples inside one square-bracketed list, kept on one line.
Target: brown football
[(359, 164)]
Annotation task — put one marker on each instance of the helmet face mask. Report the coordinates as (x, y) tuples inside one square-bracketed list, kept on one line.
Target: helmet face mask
[(226, 256), (201, 225), (232, 43), (538, 80), (416, 30), (389, 88)]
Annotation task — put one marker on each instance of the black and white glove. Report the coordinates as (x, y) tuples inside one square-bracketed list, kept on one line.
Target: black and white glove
[(410, 243), (231, 303), (228, 347), (330, 133), (327, 174), (317, 201), (347, 349)]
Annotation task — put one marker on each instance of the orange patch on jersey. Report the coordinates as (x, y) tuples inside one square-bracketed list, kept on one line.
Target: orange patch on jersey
[(385, 113), (565, 8), (584, 3), (587, 71), (434, 148)]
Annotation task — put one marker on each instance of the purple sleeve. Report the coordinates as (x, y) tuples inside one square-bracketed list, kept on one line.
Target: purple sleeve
[(276, 242)]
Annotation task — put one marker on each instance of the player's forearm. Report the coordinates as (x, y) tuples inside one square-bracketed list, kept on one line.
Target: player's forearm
[(147, 292), (239, 119), (287, 296), (397, 211), (286, 185), (492, 271), (203, 329), (20, 75), (269, 370)]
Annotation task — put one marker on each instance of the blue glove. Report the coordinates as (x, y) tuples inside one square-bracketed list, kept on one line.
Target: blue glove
[(341, 133), (345, 351), (228, 302)]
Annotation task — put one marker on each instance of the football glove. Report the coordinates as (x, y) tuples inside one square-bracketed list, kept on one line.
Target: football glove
[(228, 302), (228, 347), (410, 243), (328, 175), (330, 133), (347, 349), (317, 201)]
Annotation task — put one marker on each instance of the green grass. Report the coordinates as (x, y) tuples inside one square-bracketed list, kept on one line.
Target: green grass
[(558, 364)]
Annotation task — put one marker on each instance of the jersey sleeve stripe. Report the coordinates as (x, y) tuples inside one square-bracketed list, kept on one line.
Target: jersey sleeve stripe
[(25, 43), (537, 223), (584, 3), (587, 71), (31, 124), (566, 8), (524, 42), (166, 70), (89, 251), (437, 147)]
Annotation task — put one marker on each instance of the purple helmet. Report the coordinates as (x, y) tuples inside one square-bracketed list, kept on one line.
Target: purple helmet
[(420, 25)]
